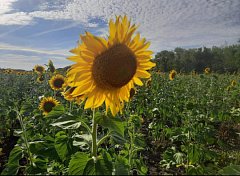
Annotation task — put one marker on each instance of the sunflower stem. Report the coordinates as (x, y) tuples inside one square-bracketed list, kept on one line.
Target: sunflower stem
[(25, 137), (94, 137), (103, 139)]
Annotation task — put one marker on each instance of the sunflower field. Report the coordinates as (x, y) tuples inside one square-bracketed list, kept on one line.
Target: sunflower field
[(101, 117), (188, 125)]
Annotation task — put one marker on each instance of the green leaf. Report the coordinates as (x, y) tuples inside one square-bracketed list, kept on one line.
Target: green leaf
[(112, 123), (11, 169), (121, 166), (40, 166), (179, 157), (67, 122), (78, 163), (230, 170), (98, 168), (84, 141), (56, 112), (25, 107), (63, 145), (44, 148), (81, 164), (13, 161)]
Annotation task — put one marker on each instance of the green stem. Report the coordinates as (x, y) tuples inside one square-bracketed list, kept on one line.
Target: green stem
[(25, 138), (94, 136), (103, 139)]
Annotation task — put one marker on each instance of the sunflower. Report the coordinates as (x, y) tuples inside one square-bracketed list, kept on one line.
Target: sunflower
[(39, 69), (207, 70), (40, 78), (194, 73), (233, 83), (57, 82), (47, 104), (107, 69), (172, 74), (51, 66), (8, 71)]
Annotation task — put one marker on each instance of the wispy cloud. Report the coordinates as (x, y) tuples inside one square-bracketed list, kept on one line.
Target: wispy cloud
[(57, 29), (33, 50), (17, 61), (162, 20)]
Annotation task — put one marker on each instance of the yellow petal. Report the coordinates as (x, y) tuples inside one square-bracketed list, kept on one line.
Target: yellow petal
[(82, 89), (137, 81), (142, 74), (146, 65)]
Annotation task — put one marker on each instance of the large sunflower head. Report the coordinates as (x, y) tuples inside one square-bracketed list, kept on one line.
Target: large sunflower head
[(47, 104), (57, 82), (107, 69), (39, 69), (172, 74)]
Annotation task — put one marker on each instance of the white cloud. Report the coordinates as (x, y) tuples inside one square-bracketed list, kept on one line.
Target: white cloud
[(19, 18), (15, 18), (167, 24), (6, 6)]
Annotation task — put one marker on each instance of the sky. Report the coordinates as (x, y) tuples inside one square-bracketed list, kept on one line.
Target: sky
[(34, 31)]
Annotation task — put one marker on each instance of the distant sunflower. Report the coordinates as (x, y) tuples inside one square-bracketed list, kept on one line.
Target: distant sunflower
[(47, 104), (57, 82), (233, 83), (39, 69), (194, 73), (106, 70), (8, 71), (40, 79), (172, 74), (51, 66), (207, 70)]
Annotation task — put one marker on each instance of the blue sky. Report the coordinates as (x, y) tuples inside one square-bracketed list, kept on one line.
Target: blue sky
[(34, 31)]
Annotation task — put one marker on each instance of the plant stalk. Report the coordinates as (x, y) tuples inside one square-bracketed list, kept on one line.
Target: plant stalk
[(25, 138), (94, 136)]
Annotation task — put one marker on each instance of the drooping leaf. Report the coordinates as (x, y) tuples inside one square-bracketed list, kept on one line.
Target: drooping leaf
[(121, 166), (56, 112), (114, 124), (230, 170), (13, 161), (78, 163), (63, 145), (67, 122), (44, 148)]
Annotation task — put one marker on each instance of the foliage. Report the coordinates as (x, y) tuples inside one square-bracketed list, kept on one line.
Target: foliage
[(219, 59), (189, 125)]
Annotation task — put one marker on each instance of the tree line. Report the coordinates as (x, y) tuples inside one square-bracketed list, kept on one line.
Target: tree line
[(218, 59)]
